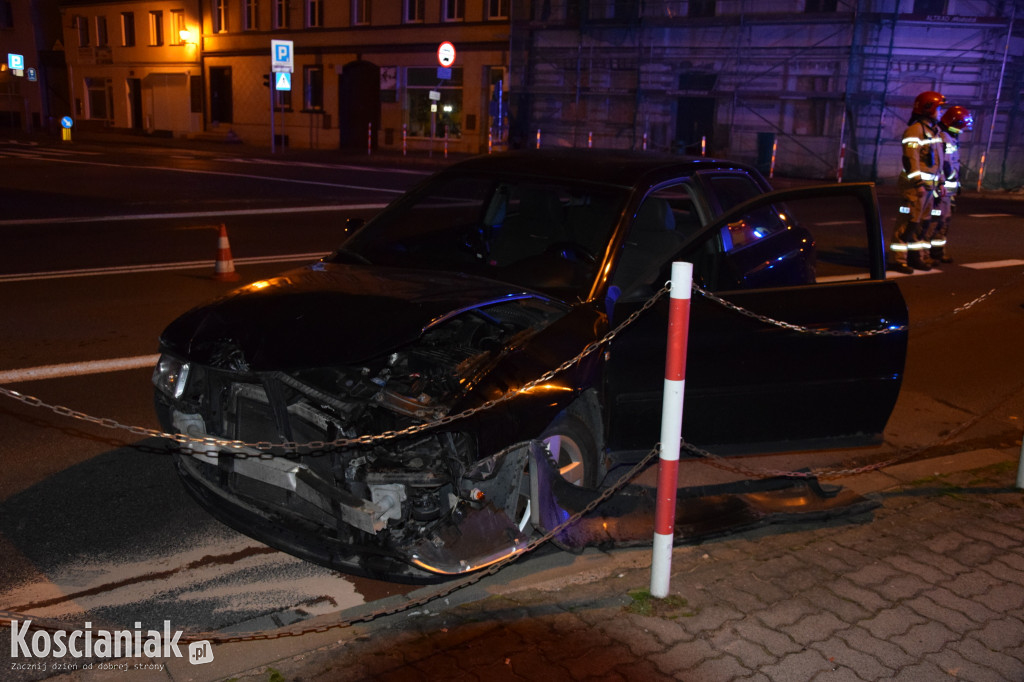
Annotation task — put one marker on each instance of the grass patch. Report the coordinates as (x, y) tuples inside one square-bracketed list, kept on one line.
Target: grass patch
[(671, 607)]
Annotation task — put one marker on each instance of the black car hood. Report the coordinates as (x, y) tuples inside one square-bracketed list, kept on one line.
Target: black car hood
[(325, 314)]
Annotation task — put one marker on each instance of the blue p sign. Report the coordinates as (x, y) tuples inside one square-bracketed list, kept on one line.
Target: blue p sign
[(15, 62), (282, 52)]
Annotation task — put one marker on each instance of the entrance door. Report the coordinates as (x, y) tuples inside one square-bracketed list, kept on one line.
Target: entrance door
[(695, 119), (135, 102), (358, 104), (220, 95)]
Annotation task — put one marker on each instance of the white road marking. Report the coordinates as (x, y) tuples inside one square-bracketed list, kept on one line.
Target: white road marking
[(989, 215), (994, 264), (190, 214), (157, 267), (76, 369)]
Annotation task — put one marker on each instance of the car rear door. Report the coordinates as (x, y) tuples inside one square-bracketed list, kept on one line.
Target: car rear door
[(796, 341)]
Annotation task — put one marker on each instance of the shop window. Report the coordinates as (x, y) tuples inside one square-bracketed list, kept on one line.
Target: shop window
[(434, 108)]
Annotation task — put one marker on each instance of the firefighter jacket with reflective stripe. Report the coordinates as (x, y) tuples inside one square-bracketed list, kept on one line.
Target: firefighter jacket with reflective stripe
[(951, 160), (923, 149)]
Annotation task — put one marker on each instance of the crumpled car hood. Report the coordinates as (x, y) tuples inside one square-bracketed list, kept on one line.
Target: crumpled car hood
[(325, 314)]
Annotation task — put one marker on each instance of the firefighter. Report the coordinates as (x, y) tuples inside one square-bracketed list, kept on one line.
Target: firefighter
[(954, 121), (920, 179)]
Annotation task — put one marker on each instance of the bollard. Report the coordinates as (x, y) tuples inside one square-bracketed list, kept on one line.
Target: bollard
[(1020, 467), (842, 158), (490, 141), (590, 139), (645, 142), (405, 138), (775, 147), (369, 138), (671, 428), (538, 138), (981, 171), (703, 145), (446, 141)]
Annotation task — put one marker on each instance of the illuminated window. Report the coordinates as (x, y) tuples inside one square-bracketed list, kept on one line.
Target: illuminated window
[(433, 109), (701, 8), (497, 9), (127, 29), (82, 23), (280, 13), (156, 28), (360, 12), (101, 31), (178, 27), (220, 16), (454, 10), (413, 11), (314, 14), (250, 15), (313, 88)]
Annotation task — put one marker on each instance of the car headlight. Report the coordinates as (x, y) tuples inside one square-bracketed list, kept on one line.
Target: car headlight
[(171, 375)]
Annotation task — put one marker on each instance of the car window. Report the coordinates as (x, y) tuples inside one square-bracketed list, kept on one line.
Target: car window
[(665, 221), (804, 241), (727, 190), (538, 234)]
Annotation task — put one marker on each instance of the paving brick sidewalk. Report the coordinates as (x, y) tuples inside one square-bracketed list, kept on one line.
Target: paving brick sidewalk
[(931, 588)]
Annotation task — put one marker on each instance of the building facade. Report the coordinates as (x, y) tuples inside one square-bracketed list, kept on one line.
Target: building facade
[(32, 96), (135, 66), (794, 85)]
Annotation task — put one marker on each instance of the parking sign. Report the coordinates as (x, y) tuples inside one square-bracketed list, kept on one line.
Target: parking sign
[(15, 62), (282, 55)]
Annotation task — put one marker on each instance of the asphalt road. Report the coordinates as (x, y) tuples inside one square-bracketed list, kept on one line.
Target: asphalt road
[(92, 520)]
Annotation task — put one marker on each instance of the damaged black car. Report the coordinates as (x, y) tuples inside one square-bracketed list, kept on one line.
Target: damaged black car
[(373, 411)]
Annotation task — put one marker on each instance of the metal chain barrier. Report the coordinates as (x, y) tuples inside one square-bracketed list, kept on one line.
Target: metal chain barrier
[(703, 455)]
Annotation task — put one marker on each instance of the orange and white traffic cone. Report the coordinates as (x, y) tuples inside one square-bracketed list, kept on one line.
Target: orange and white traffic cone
[(224, 269)]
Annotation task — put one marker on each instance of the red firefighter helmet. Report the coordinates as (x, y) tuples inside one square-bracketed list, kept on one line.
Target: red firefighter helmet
[(956, 119), (928, 103)]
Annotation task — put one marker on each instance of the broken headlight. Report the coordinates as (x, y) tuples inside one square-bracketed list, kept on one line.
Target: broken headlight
[(171, 375)]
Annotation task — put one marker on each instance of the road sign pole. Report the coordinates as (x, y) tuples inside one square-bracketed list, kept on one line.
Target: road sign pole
[(273, 138)]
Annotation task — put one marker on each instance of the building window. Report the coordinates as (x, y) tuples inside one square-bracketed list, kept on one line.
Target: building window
[(156, 28), (128, 29), (314, 14), (6, 14), (433, 109), (701, 8), (220, 16), (102, 39), (814, 6), (250, 16), (313, 90), (454, 10), (413, 11), (497, 9), (280, 13), (929, 6), (100, 96), (179, 31), (82, 23), (360, 12)]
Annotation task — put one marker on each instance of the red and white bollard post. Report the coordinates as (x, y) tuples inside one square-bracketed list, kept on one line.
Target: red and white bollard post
[(842, 159), (538, 138), (671, 428), (775, 148), (703, 145), (405, 139), (590, 139)]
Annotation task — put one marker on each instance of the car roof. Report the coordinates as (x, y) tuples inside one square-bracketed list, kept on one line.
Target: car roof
[(612, 167)]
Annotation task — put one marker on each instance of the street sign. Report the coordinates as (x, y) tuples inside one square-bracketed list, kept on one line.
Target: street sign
[(282, 55), (15, 62), (66, 122), (283, 81), (434, 95), (446, 54), (31, 74), (444, 74)]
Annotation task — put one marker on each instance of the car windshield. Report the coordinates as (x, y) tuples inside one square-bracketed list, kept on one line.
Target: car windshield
[(531, 232)]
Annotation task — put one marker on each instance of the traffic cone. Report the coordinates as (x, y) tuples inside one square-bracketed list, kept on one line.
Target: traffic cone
[(224, 269)]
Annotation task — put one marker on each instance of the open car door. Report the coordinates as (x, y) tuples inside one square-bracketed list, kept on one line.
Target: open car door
[(796, 339)]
